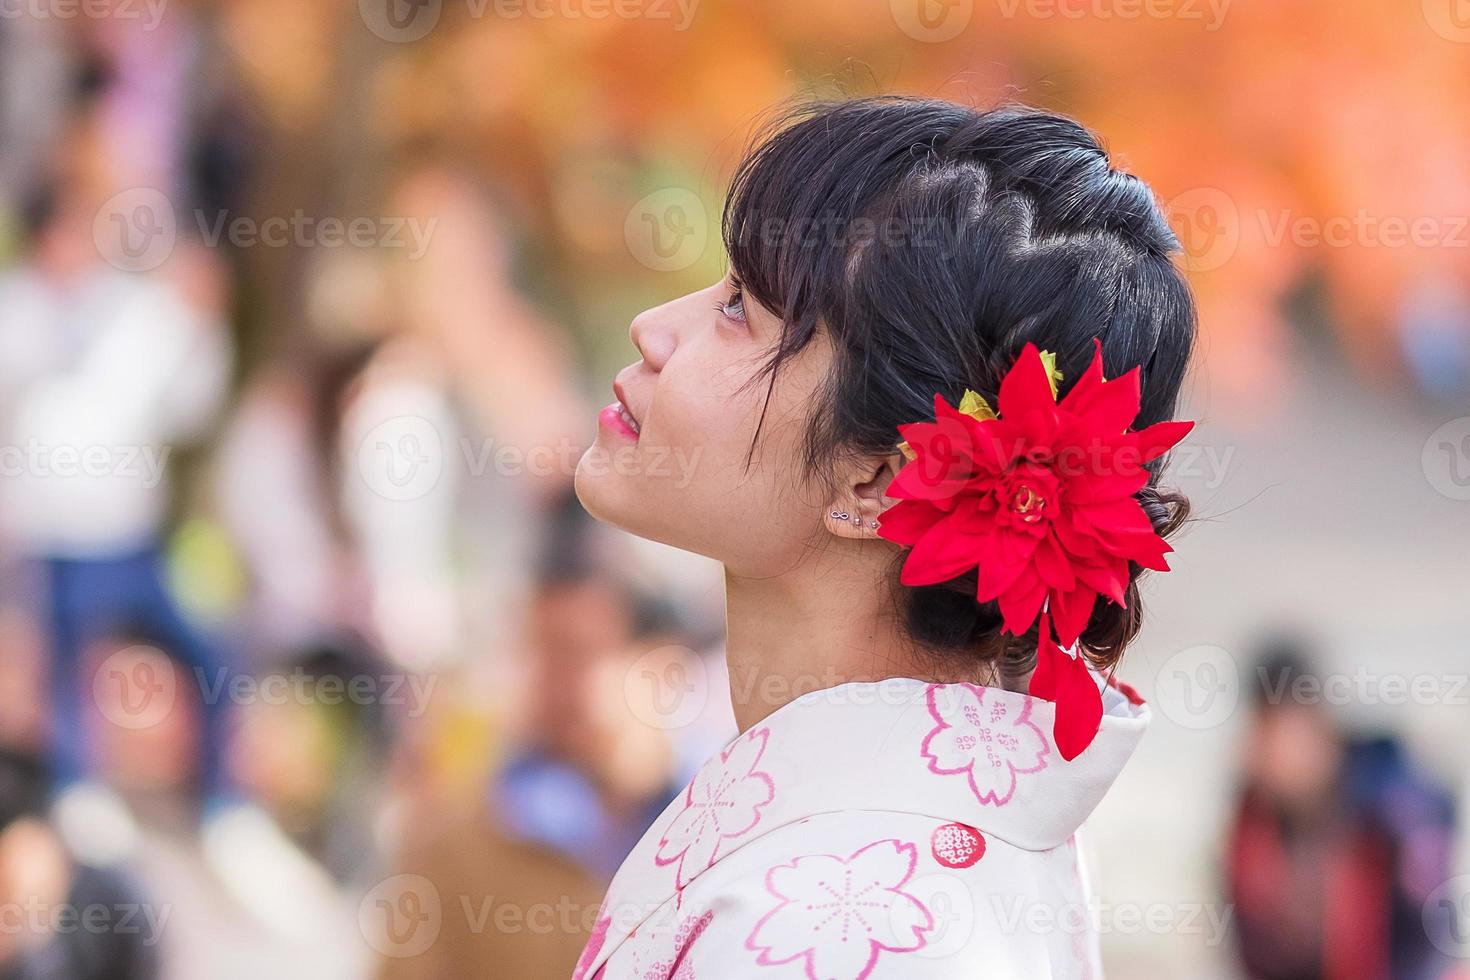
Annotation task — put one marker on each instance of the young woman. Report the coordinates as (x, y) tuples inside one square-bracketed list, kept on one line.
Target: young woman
[(925, 413)]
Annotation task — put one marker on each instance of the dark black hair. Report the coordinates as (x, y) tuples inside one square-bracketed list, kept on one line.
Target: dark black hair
[(24, 786), (1283, 660), (930, 242), (345, 658)]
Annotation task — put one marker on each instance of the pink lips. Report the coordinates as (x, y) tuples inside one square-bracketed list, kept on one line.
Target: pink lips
[(611, 418)]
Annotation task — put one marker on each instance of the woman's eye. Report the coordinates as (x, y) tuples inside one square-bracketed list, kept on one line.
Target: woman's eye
[(734, 307)]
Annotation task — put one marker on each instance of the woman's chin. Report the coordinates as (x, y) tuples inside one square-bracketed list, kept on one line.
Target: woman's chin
[(615, 500), (607, 495)]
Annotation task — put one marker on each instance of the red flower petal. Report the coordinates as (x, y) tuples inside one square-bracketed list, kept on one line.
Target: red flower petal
[(1087, 382), (1066, 681), (940, 555), (944, 460), (908, 520), (1021, 603), (1003, 558), (1079, 706), (1044, 678), (1107, 408), (1053, 566), (1077, 538), (1071, 611), (1160, 437), (1092, 488), (1116, 517), (1026, 386), (1110, 579)]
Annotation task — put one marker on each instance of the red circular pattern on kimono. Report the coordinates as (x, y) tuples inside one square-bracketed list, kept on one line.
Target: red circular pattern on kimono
[(957, 845)]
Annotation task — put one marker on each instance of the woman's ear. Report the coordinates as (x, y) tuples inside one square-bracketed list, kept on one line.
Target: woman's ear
[(862, 482)]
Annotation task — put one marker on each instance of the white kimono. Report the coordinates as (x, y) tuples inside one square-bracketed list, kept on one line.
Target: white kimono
[(873, 830)]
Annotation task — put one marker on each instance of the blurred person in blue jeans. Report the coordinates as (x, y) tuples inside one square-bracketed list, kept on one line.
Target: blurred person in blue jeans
[(103, 373), (1336, 843)]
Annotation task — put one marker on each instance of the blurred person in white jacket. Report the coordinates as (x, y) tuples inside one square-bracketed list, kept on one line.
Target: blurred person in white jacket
[(103, 373)]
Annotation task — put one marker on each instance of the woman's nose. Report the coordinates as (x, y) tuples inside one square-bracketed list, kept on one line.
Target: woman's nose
[(653, 334)]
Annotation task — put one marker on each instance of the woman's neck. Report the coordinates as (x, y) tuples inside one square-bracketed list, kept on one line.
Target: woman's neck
[(828, 621)]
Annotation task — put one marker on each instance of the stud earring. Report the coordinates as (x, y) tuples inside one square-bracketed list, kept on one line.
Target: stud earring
[(856, 520)]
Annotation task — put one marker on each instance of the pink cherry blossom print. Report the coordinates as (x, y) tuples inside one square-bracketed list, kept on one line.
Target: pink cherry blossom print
[(593, 947), (957, 845), (987, 736), (674, 962), (722, 803), (838, 915)]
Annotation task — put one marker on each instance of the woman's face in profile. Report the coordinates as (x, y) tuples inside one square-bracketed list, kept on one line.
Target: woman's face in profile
[(677, 472)]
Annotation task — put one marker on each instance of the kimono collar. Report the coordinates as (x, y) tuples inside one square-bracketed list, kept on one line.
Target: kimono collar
[(979, 756)]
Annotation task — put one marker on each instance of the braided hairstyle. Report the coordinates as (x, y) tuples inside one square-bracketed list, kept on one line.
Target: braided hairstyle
[(930, 242)]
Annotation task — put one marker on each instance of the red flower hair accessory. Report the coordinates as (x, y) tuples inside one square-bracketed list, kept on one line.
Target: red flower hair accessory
[(1040, 498)]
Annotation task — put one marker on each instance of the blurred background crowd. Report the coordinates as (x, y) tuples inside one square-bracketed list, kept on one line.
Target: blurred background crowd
[(312, 666)]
